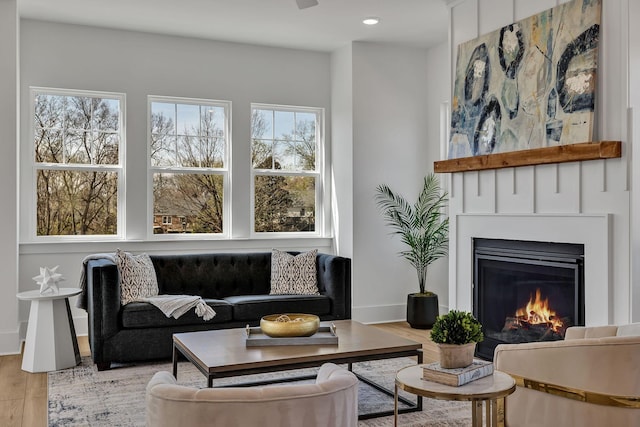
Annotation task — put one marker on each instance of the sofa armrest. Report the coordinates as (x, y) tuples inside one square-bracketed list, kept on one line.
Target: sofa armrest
[(103, 303), (606, 365), (334, 281)]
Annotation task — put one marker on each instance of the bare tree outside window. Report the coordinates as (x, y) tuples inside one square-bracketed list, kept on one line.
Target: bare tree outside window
[(77, 156), (188, 146), (284, 159), (77, 139)]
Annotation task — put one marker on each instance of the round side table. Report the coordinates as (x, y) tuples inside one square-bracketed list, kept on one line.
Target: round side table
[(491, 389), (51, 342)]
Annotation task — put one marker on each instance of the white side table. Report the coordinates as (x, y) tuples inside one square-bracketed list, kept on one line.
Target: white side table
[(51, 337)]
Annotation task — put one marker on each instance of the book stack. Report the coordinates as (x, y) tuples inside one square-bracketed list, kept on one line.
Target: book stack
[(457, 376)]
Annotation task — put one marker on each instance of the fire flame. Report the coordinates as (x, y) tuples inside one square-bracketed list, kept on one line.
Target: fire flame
[(537, 311)]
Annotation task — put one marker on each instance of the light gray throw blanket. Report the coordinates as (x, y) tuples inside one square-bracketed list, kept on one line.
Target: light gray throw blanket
[(177, 305), (170, 305), (82, 298)]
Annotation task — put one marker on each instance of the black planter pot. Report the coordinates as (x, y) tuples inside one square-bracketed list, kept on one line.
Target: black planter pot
[(422, 310)]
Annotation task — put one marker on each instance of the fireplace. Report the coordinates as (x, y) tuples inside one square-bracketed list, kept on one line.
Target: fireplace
[(526, 291)]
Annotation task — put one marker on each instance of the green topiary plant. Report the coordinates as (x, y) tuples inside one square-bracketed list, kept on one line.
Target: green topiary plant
[(456, 327)]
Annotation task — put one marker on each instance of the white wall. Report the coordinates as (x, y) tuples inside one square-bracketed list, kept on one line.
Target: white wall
[(634, 133), (9, 134), (342, 149), (391, 145), (578, 188), (438, 92), (139, 64)]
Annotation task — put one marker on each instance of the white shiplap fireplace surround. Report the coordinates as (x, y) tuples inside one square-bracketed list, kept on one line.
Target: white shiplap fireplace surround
[(582, 202), (590, 230)]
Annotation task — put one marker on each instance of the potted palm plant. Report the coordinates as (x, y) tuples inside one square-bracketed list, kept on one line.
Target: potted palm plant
[(456, 334), (424, 229)]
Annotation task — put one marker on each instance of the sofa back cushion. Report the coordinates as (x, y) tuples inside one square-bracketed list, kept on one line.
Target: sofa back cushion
[(581, 332), (137, 276), (294, 274), (213, 275), (630, 330)]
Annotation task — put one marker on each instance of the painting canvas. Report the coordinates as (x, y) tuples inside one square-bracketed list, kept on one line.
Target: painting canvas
[(530, 84)]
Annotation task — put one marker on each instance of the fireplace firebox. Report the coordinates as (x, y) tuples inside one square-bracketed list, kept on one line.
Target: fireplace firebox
[(526, 291)]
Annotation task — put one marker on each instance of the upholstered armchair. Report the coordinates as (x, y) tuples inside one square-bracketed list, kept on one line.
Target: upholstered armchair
[(331, 402), (592, 378)]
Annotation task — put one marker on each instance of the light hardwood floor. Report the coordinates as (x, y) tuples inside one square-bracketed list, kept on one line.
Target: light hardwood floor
[(23, 396)]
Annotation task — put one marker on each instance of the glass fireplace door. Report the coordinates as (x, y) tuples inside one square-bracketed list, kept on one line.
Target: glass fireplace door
[(523, 295)]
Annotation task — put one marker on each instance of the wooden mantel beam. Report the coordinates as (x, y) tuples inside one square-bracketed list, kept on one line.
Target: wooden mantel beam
[(536, 156)]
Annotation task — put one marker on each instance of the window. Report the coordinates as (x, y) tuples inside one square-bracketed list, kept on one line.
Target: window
[(78, 140), (287, 179), (188, 146)]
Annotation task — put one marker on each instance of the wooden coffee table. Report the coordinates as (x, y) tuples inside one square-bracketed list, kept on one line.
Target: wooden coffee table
[(223, 353)]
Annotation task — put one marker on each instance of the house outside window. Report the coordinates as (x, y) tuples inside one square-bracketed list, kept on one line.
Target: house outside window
[(78, 139), (286, 143), (189, 165)]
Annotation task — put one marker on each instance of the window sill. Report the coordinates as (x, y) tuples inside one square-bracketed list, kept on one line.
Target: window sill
[(324, 244)]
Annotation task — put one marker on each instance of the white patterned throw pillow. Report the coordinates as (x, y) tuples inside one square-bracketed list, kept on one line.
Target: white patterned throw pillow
[(294, 274), (137, 276)]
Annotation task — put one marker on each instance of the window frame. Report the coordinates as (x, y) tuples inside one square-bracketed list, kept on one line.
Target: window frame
[(318, 174), (119, 168), (225, 171)]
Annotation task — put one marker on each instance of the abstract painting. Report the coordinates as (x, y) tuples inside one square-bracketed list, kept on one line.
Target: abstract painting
[(530, 84)]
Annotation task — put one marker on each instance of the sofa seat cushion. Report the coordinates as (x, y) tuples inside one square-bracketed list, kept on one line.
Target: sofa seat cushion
[(253, 307), (145, 315)]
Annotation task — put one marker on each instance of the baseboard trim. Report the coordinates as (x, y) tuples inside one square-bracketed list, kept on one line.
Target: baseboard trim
[(384, 313), (9, 343), (81, 325)]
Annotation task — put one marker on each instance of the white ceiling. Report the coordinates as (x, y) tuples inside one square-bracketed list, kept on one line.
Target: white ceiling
[(325, 27)]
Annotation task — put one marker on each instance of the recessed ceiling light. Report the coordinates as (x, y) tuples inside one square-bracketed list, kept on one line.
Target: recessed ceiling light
[(303, 4), (371, 20)]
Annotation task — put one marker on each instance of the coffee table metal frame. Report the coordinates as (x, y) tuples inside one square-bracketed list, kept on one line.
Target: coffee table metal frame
[(491, 389), (312, 359)]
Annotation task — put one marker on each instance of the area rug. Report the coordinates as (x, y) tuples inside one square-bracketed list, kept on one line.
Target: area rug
[(82, 396)]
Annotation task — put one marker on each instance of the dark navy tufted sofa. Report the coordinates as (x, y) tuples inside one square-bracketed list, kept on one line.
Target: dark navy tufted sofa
[(235, 285)]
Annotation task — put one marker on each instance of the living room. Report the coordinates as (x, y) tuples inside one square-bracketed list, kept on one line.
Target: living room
[(385, 110), (329, 80)]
